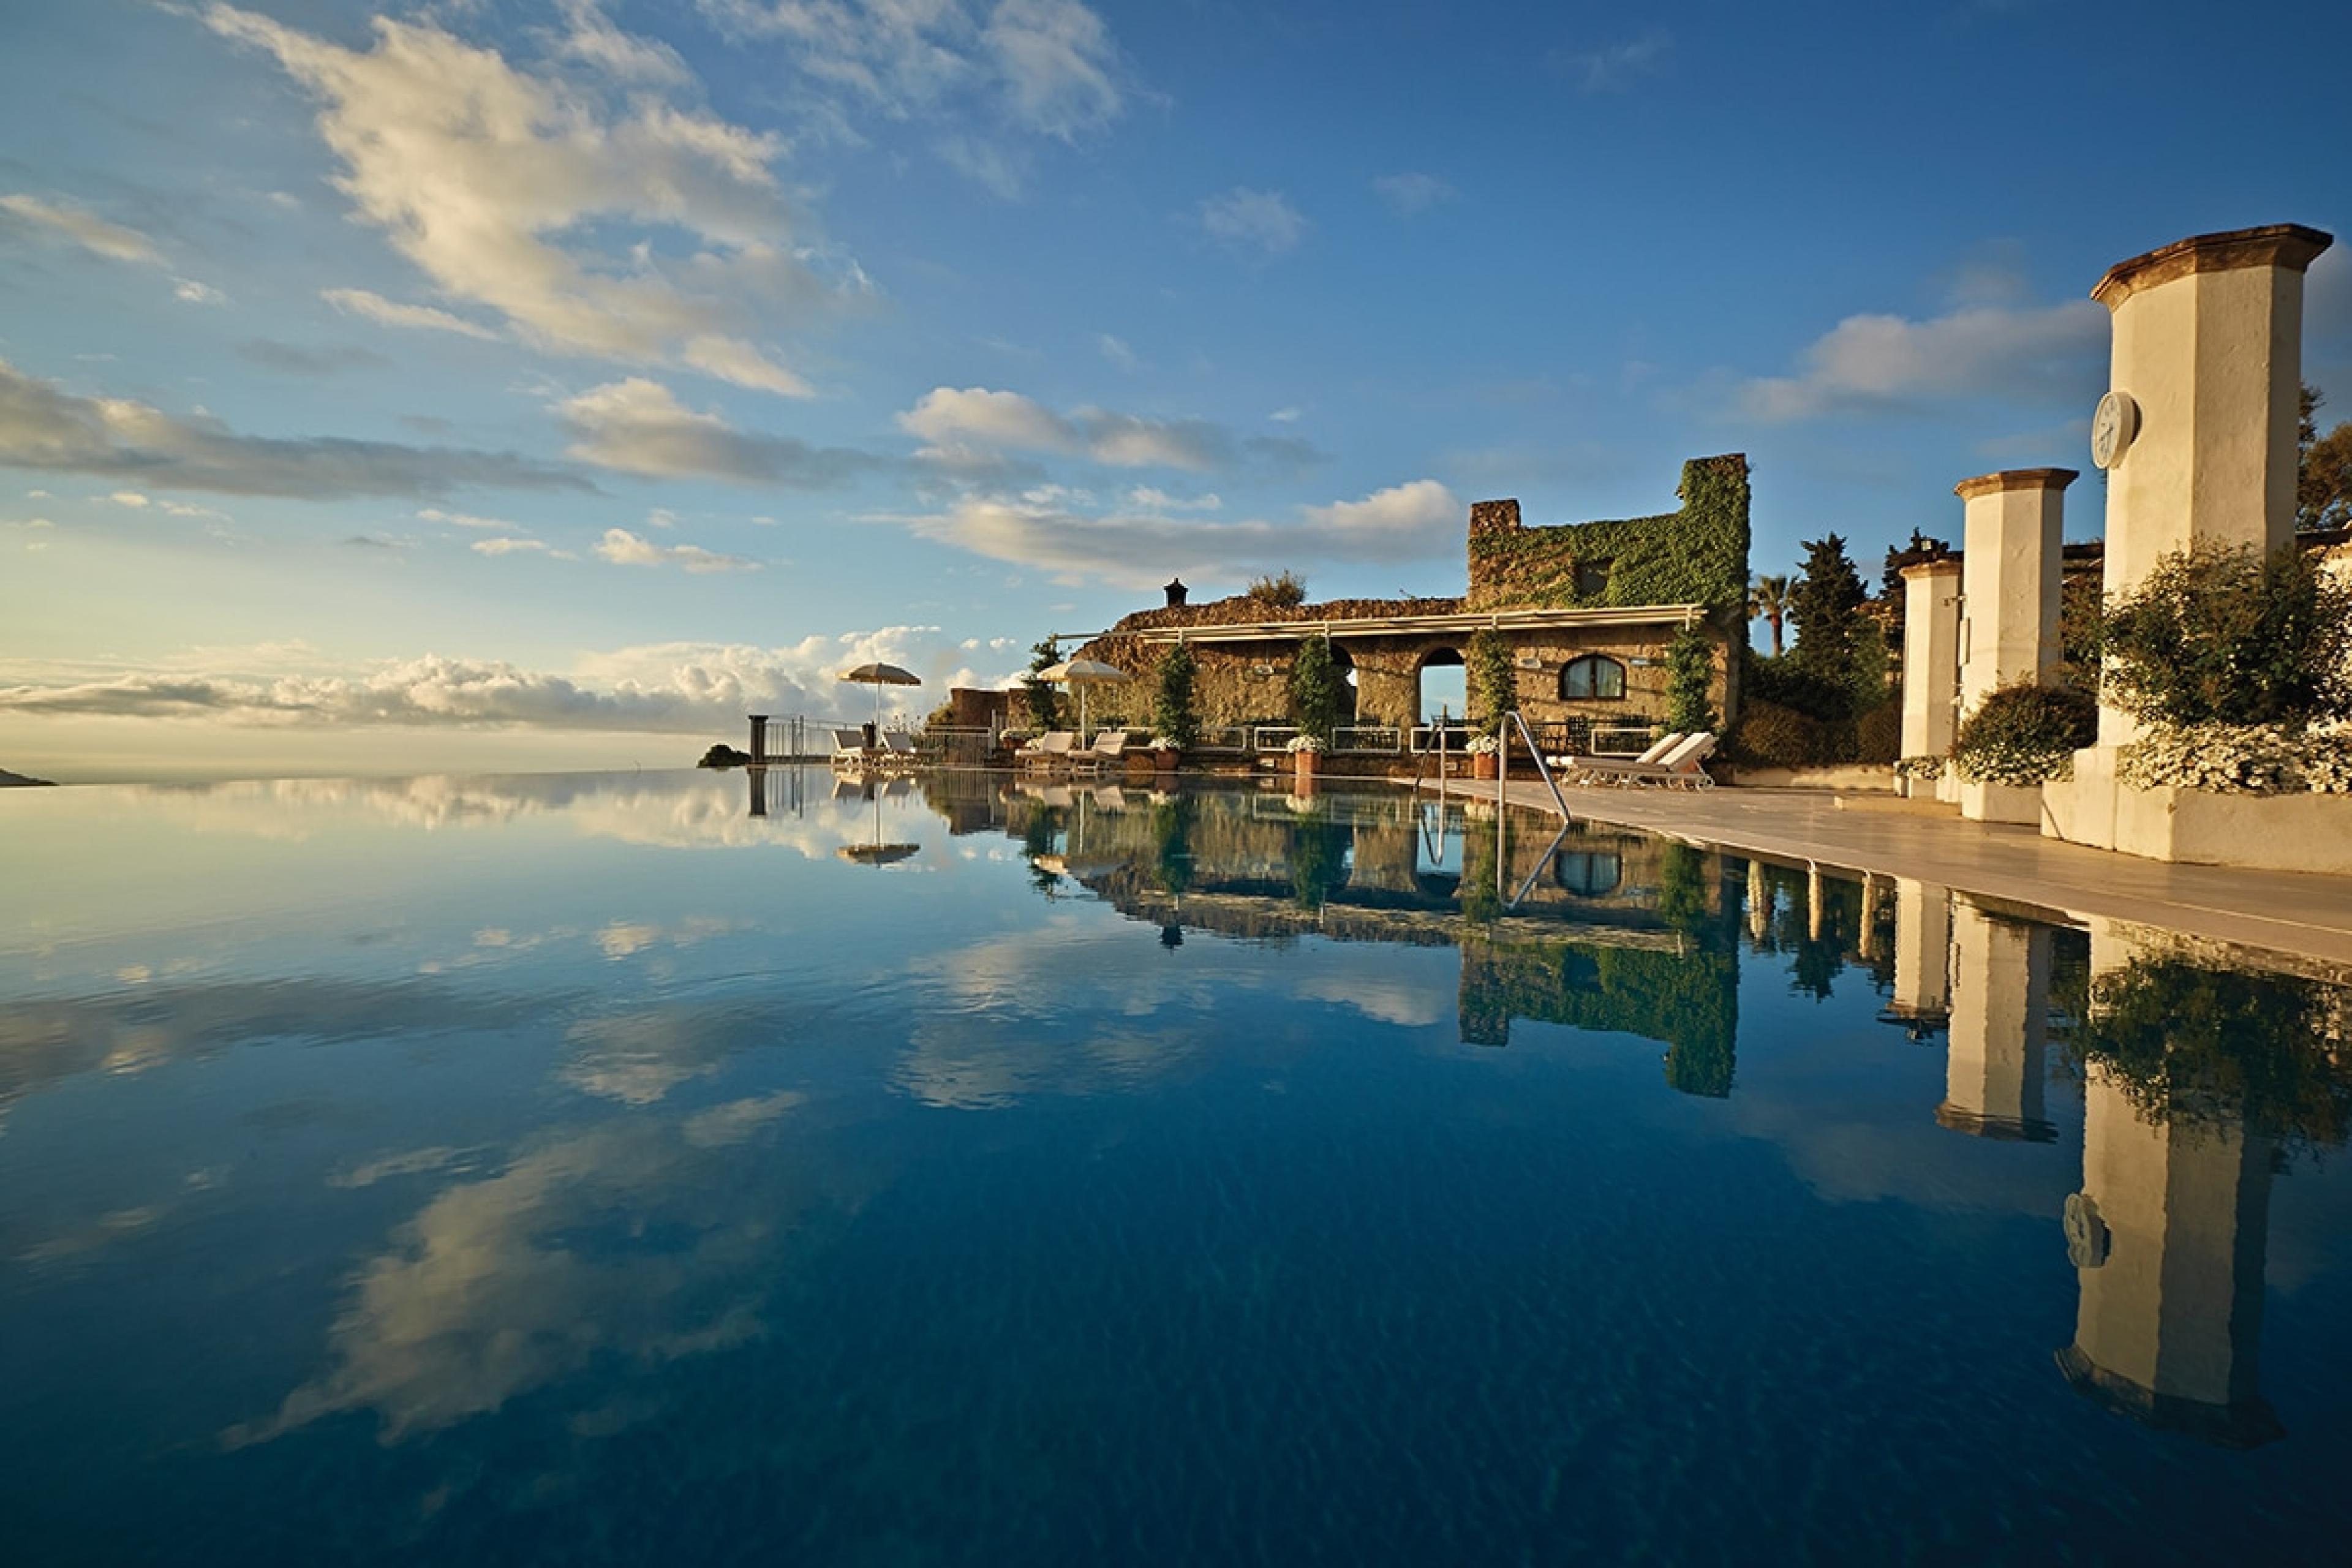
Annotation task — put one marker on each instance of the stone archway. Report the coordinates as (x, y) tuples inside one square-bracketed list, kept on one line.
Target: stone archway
[(1440, 684)]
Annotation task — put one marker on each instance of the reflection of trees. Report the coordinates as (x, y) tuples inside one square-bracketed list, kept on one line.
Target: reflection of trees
[(1688, 998), (1039, 835), (1821, 924), (2188, 1044), (1319, 850), (1172, 833)]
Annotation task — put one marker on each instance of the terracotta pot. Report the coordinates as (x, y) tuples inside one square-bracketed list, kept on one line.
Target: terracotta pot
[(1307, 763), (1485, 766)]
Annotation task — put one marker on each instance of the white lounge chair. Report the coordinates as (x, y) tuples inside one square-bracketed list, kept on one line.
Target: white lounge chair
[(1109, 747), (1656, 749), (1681, 768), (1048, 753), (849, 749), (899, 748)]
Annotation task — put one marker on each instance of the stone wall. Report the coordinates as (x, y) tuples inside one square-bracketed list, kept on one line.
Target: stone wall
[(1696, 554)]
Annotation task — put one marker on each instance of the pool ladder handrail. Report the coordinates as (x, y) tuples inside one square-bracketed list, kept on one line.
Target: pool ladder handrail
[(1512, 716)]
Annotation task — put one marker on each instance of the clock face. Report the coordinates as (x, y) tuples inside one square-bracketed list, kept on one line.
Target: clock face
[(2113, 425)]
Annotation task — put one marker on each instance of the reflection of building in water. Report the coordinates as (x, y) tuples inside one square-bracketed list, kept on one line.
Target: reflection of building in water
[(1994, 1071), (1922, 954), (1596, 928), (2169, 1237)]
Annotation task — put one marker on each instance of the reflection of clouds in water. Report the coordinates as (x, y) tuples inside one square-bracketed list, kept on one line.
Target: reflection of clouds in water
[(638, 1058), (505, 1285), (410, 1163), (1048, 1012), (692, 812), (44, 1041)]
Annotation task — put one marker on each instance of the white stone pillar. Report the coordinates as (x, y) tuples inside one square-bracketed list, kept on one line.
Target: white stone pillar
[(1993, 1069), (2204, 374), (1931, 662), (1923, 953), (2011, 562), (2168, 1237)]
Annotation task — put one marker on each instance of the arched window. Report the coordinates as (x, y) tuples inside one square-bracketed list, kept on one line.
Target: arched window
[(1593, 678), (1588, 873)]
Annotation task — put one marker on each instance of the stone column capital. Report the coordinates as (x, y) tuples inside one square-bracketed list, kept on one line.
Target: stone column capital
[(2287, 246), (2015, 479)]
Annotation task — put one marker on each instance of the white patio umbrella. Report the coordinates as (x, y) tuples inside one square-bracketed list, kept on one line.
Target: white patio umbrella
[(879, 675), (1079, 674)]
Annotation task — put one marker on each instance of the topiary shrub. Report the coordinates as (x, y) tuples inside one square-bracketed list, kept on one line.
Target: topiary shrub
[(2225, 635), (1316, 692), (1174, 711), (1878, 734), (2025, 733), (1491, 679), (1690, 669), (1773, 736)]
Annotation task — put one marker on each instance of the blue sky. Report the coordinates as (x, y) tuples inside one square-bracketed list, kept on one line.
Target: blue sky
[(499, 382)]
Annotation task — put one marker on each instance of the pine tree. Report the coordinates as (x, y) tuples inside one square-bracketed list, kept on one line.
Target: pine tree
[(1826, 607)]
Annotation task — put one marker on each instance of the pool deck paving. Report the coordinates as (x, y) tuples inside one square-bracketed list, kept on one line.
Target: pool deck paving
[(2306, 915)]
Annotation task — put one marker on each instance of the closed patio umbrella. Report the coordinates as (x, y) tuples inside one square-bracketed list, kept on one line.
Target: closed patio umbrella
[(1079, 674)]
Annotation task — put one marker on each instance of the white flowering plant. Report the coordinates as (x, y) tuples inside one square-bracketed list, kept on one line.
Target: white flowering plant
[(1919, 767), (1163, 743), (1305, 744), (1483, 746), (2242, 759)]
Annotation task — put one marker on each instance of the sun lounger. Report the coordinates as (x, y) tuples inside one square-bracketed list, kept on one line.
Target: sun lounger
[(1049, 753), (1109, 746), (899, 748), (1657, 748), (849, 749), (1681, 768)]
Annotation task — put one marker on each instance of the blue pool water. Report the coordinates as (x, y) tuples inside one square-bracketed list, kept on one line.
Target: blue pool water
[(594, 1169)]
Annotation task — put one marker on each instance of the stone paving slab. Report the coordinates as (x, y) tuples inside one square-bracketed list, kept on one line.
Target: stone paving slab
[(2306, 915)]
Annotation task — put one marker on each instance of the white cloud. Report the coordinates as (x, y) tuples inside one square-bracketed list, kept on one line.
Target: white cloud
[(623, 548), (42, 427), (591, 38), (1613, 67), (192, 292), (950, 417), (508, 546), (490, 180), (1115, 350), (1145, 497), (1286, 415), (1260, 221), (1140, 547), (1045, 68), (668, 687), (1879, 361), (1408, 195), (390, 313), (467, 520), (93, 233), (128, 498), (639, 427)]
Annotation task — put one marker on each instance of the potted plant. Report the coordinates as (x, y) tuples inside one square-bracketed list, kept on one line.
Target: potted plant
[(1485, 754), (1306, 752), (1163, 751)]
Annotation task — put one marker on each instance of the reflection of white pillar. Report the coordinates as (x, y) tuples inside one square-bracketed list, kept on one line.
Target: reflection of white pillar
[(1760, 901), (1923, 951), (1866, 945), (2001, 1008), (2207, 363), (2167, 1236), (2016, 526), (1812, 904), (1931, 661)]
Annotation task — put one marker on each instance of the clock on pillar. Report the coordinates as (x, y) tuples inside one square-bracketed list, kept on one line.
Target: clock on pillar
[(2112, 425)]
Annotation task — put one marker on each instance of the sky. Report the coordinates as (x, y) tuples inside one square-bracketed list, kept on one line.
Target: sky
[(547, 383)]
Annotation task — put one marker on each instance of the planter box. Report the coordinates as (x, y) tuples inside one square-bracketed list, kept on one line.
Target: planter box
[(2261, 832)]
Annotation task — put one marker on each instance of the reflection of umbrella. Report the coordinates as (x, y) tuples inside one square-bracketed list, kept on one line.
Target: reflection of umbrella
[(876, 853), (879, 675), (1079, 674)]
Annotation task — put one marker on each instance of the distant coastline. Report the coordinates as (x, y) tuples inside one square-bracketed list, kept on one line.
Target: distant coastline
[(13, 781)]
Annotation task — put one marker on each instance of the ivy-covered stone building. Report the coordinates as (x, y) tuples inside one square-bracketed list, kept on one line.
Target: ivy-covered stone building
[(1588, 609)]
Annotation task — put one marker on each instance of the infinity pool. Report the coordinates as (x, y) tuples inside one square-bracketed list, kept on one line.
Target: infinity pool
[(693, 1168)]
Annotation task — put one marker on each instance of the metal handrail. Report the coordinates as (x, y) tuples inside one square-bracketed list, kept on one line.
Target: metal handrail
[(1502, 758)]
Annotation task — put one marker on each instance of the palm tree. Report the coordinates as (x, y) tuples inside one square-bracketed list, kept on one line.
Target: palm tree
[(1768, 598)]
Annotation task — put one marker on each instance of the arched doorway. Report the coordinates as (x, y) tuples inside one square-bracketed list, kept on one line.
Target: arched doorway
[(1441, 686)]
